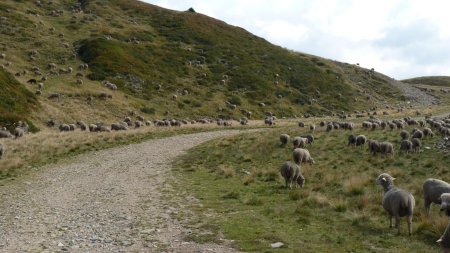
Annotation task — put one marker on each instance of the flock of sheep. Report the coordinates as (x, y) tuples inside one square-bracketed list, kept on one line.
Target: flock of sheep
[(397, 202)]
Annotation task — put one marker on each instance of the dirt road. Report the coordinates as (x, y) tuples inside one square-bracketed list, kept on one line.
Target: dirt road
[(105, 201)]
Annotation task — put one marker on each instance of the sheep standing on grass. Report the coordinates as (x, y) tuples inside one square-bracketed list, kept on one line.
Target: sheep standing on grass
[(386, 148), (310, 138), (427, 132), (406, 145), (351, 140), (432, 190), (301, 155), (299, 142), (5, 134), (404, 134), (374, 146), (360, 140), (284, 139), (312, 128), (292, 174), (416, 145), (397, 202), (444, 241)]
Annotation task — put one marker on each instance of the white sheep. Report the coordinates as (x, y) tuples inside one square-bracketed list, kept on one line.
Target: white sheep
[(292, 174), (397, 202), (284, 139), (432, 190), (301, 155)]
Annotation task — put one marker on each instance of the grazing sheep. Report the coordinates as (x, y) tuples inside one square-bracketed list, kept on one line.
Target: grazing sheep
[(387, 148), (310, 138), (418, 134), (329, 127), (64, 128), (138, 124), (291, 173), (83, 126), (406, 145), (416, 145), (18, 132), (93, 128), (360, 140), (351, 140), (5, 134), (118, 127), (374, 146), (2, 151), (284, 139), (427, 132), (312, 128), (397, 202), (444, 240), (299, 142), (404, 134), (72, 127), (432, 190), (301, 124), (301, 155)]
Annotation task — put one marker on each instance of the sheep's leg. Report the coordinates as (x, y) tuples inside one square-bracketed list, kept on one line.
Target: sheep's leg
[(427, 205), (397, 224), (409, 224), (390, 221)]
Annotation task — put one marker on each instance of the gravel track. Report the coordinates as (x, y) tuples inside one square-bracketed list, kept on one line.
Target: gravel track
[(105, 201)]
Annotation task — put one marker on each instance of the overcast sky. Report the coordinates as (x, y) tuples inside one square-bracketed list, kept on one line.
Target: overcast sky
[(400, 38)]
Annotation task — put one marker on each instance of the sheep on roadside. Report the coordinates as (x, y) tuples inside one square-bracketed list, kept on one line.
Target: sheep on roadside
[(432, 190), (292, 174), (406, 145), (284, 139), (416, 145), (387, 148), (351, 140), (312, 128), (404, 134), (360, 140), (83, 126), (397, 202), (2, 151), (301, 155), (301, 124)]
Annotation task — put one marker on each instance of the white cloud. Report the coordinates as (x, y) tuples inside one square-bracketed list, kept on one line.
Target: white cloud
[(401, 38)]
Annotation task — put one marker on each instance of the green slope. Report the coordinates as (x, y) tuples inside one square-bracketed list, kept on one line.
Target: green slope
[(430, 80), (141, 47), (16, 102)]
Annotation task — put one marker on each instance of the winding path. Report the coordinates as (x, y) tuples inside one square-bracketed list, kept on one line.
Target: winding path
[(105, 201)]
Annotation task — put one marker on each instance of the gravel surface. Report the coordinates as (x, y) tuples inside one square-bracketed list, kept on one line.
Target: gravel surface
[(106, 201), (415, 95)]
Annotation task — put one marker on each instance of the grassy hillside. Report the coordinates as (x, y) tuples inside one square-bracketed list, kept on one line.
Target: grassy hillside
[(242, 194), (16, 102), (152, 54), (430, 80)]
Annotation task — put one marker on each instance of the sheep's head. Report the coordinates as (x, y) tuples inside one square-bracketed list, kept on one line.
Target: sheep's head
[(385, 179), (445, 201), (301, 181)]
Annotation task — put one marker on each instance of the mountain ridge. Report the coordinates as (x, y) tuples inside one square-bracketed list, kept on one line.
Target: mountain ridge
[(172, 64)]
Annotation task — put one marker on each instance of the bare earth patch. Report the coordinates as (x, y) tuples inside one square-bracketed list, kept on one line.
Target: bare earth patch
[(106, 201)]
